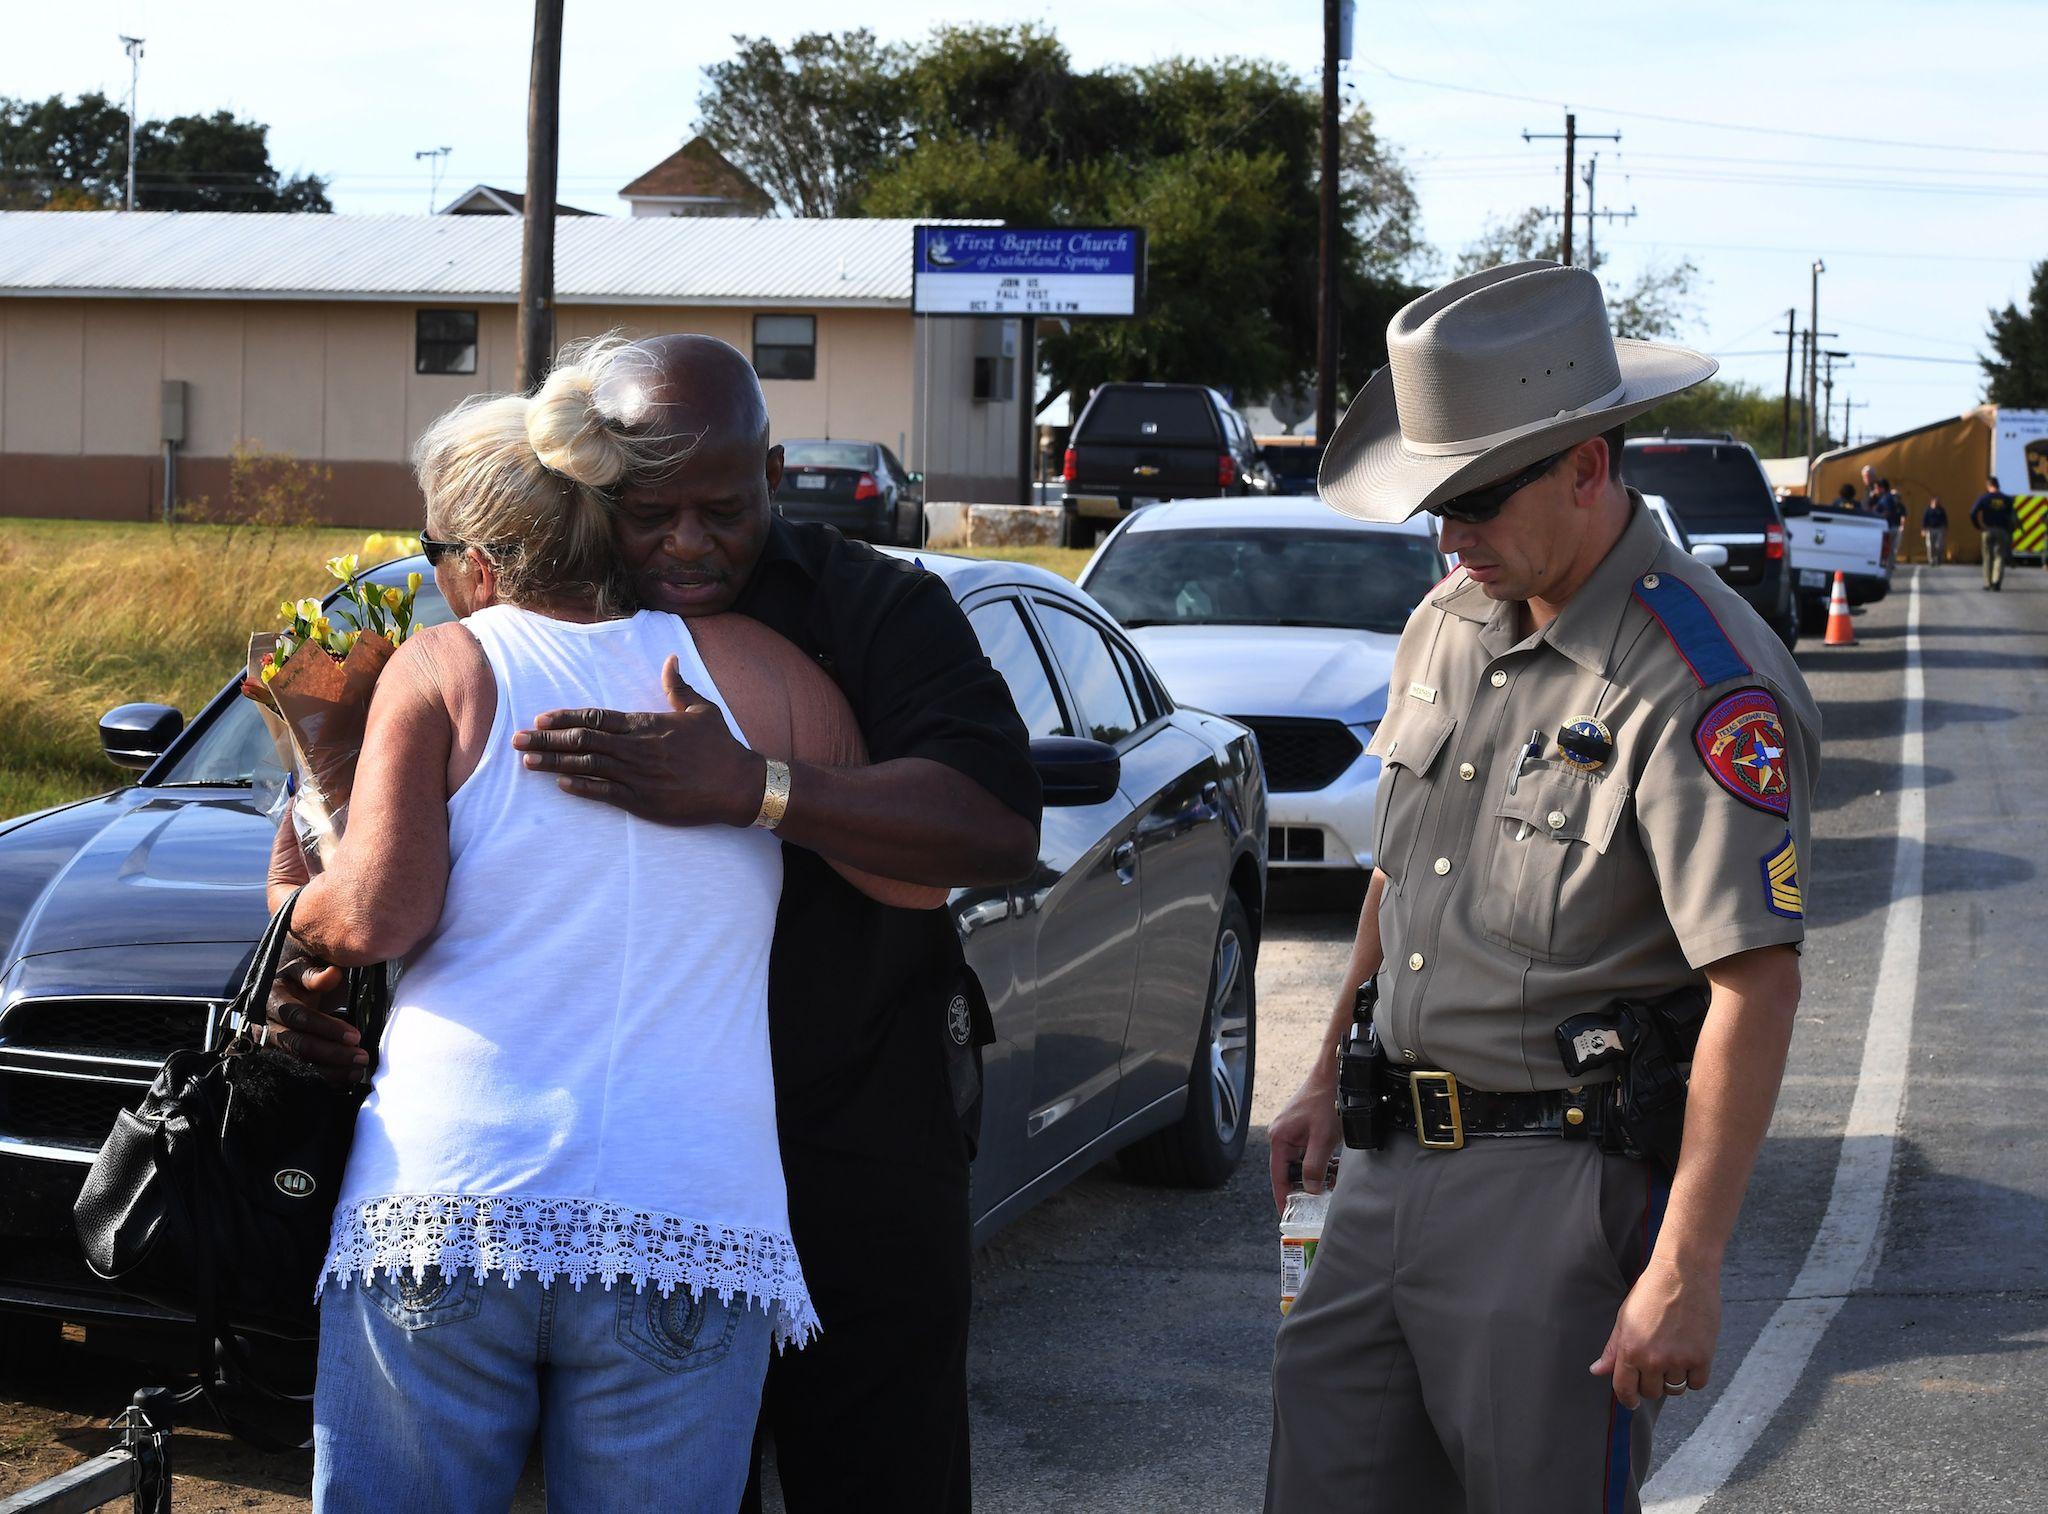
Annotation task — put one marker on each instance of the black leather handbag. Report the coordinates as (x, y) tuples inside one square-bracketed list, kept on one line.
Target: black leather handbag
[(215, 1197)]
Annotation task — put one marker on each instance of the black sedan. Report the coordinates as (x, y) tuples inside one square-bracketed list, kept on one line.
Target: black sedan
[(1120, 973), (859, 487)]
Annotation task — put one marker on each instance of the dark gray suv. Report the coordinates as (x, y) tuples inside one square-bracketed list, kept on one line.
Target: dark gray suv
[(1717, 489)]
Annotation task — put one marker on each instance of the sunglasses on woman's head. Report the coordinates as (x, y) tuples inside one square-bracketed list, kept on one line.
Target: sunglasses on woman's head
[(1476, 507)]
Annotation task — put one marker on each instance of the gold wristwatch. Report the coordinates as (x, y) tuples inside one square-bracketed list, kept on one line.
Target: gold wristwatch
[(774, 796)]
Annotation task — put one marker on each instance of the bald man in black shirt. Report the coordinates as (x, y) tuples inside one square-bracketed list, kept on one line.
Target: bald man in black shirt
[(874, 1099)]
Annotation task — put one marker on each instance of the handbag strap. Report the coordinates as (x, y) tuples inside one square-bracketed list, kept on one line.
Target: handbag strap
[(248, 1007)]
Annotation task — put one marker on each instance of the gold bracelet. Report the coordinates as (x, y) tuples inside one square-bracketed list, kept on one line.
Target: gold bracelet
[(774, 796)]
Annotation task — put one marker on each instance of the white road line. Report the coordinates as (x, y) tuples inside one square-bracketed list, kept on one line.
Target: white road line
[(1845, 1249)]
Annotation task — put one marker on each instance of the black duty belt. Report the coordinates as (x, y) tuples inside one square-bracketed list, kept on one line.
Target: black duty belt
[(1444, 1114)]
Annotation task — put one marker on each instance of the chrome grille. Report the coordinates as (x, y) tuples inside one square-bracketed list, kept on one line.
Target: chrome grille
[(68, 1065), (1302, 755), (102, 1027), (39, 1109)]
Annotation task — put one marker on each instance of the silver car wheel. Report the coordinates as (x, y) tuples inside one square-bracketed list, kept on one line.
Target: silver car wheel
[(1229, 1038)]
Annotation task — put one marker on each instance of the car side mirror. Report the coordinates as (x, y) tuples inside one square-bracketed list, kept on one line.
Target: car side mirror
[(1712, 553), (1074, 770), (135, 735)]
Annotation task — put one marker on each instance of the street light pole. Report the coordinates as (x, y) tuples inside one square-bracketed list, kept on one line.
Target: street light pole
[(1813, 321), (132, 46), (536, 342)]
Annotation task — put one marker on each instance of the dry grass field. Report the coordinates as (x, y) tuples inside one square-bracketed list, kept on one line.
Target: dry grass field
[(93, 615)]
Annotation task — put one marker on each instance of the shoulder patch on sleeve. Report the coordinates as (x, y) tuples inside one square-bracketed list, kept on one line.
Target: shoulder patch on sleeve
[(1741, 739), (1781, 880), (1692, 626)]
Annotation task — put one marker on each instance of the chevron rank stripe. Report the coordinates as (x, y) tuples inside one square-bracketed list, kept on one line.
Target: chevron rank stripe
[(1781, 881)]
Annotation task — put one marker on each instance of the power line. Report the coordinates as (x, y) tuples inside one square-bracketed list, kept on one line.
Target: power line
[(1896, 357), (1829, 252), (1768, 131)]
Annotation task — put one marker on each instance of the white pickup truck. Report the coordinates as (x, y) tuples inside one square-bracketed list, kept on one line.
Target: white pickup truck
[(1821, 543)]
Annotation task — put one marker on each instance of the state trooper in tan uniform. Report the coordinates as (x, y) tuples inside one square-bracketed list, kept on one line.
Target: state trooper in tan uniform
[(1598, 770)]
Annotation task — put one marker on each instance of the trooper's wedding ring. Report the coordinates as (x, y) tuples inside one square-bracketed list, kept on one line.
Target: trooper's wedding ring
[(1678, 1387)]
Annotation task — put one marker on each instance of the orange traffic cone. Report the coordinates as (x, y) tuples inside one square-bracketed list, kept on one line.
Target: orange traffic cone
[(1841, 630)]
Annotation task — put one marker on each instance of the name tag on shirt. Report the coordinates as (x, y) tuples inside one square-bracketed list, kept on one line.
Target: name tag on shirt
[(1423, 692)]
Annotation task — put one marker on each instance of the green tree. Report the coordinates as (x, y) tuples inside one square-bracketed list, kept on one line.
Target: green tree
[(72, 155), (1744, 411), (1217, 160), (2016, 371), (1656, 307), (75, 152), (812, 122)]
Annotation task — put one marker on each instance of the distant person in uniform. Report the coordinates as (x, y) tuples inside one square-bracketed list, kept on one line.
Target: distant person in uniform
[(1934, 530), (1993, 517), (1598, 783)]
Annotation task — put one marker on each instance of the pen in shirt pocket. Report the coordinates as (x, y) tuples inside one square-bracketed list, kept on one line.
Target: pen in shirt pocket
[(1530, 752)]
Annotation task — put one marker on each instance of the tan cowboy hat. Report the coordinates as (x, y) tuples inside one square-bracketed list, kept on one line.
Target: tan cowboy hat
[(1484, 377)]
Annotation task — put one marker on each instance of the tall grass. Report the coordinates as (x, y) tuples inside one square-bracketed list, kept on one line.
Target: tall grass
[(94, 615)]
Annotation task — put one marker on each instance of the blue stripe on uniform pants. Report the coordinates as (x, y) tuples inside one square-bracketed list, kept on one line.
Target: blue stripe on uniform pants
[(1614, 1496), (1692, 627)]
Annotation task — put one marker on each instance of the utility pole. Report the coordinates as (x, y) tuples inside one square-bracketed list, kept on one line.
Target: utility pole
[(1813, 341), (132, 46), (1592, 168), (1326, 243), (435, 156), (1570, 137), (1848, 405), (536, 343), (1827, 357), (1791, 331)]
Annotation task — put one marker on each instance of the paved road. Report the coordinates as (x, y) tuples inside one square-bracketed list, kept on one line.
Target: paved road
[(1123, 1333)]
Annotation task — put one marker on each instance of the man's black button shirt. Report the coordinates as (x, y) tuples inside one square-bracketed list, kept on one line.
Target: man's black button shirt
[(857, 991)]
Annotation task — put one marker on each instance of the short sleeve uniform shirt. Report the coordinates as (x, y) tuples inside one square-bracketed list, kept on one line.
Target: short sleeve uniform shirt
[(1592, 812)]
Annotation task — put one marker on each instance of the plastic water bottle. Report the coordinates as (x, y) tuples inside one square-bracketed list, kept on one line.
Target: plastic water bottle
[(1301, 1230)]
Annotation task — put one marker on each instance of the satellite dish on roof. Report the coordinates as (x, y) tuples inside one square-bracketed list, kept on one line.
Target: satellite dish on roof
[(1291, 407)]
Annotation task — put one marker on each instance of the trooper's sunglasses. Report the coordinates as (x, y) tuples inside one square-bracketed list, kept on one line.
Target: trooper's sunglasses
[(434, 548), (1476, 507)]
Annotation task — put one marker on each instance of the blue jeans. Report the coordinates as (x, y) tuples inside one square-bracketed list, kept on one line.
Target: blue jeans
[(431, 1389)]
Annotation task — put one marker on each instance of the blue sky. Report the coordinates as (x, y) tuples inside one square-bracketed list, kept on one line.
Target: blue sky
[(1737, 124)]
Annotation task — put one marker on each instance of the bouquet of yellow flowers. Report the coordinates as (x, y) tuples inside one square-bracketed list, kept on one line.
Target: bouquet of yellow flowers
[(313, 679)]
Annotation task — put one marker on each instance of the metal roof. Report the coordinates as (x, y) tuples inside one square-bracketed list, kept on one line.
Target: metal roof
[(652, 260)]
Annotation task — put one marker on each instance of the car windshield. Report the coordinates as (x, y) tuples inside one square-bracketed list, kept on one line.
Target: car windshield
[(1292, 460), (828, 454), (1355, 580), (1709, 486), (237, 748), (1138, 417)]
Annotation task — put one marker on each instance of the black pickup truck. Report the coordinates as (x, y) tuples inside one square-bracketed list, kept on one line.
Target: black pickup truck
[(1137, 444)]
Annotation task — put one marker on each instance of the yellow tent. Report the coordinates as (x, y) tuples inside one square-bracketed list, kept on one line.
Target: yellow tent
[(1946, 459)]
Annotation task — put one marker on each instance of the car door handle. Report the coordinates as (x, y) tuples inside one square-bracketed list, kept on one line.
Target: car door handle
[(1125, 860), (988, 912)]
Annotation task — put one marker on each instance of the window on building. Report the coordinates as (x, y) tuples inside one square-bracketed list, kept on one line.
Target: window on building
[(444, 341), (786, 346)]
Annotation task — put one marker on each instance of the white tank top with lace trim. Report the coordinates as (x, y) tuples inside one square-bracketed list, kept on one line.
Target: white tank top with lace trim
[(575, 1080)]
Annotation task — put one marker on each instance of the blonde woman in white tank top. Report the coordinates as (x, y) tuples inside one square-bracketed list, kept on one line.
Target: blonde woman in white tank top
[(563, 1216)]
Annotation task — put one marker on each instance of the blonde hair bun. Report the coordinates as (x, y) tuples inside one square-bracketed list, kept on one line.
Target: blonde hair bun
[(567, 431)]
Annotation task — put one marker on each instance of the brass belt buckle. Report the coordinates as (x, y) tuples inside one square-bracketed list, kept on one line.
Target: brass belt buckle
[(1445, 1086)]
